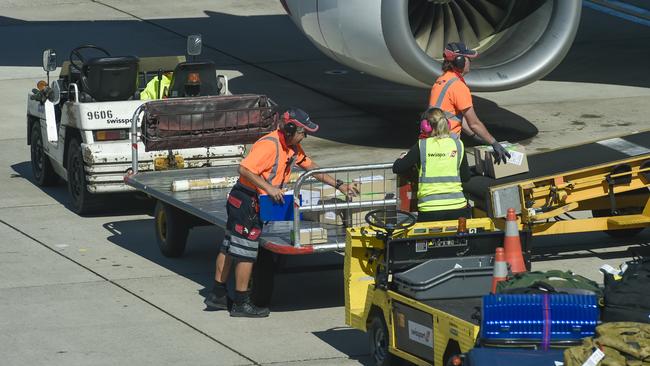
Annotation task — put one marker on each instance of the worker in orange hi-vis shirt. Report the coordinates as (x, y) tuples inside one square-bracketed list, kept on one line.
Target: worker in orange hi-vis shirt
[(266, 170), (452, 95)]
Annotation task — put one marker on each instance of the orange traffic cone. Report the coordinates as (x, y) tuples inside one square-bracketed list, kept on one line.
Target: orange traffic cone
[(500, 268), (512, 244)]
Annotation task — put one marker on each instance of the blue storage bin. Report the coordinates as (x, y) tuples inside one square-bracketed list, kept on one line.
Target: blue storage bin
[(534, 317), (272, 211)]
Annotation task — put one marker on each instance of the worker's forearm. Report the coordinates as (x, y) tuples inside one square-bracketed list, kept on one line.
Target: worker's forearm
[(479, 129), (321, 177), (466, 129)]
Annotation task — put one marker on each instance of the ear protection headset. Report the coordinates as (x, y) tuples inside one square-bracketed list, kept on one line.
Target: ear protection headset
[(288, 126), (425, 125), (452, 54)]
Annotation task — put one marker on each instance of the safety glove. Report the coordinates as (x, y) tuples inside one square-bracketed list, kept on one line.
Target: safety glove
[(500, 154)]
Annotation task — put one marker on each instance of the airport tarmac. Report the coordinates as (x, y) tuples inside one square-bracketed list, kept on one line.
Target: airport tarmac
[(96, 291)]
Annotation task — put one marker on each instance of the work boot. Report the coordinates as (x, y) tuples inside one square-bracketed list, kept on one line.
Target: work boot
[(217, 298), (244, 307)]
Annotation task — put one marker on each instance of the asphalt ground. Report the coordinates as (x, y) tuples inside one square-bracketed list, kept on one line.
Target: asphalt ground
[(96, 291)]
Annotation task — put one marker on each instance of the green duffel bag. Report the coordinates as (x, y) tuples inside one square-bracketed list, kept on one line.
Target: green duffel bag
[(623, 343), (553, 281)]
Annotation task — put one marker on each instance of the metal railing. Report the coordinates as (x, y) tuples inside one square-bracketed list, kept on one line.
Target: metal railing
[(326, 212)]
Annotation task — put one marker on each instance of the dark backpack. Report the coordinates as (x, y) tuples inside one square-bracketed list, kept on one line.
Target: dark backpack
[(628, 298)]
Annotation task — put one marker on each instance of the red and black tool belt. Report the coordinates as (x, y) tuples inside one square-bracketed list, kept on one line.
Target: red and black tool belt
[(243, 213)]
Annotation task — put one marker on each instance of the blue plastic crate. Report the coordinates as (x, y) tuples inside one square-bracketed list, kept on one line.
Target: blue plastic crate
[(559, 317), (272, 211)]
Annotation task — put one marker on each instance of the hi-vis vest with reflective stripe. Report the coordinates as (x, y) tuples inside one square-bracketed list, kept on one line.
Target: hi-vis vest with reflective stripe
[(274, 171), (455, 120), (439, 187), (280, 169)]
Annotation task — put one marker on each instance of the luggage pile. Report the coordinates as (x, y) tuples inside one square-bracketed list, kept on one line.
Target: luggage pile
[(553, 317), (206, 121), (558, 317)]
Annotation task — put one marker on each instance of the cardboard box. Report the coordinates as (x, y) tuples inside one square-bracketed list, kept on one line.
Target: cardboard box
[(516, 164), (314, 235), (375, 188), (309, 197), (329, 216), (370, 188)]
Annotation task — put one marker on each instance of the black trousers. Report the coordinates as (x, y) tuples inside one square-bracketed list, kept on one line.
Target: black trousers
[(441, 215)]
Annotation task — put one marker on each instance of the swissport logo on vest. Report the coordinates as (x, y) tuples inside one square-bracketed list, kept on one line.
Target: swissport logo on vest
[(452, 154)]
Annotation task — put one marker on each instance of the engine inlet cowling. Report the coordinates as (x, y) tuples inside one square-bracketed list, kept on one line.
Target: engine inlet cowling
[(518, 41)]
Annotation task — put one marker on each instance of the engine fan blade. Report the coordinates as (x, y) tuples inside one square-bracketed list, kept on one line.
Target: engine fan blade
[(417, 14), (425, 31), (493, 13), (481, 27), (465, 30), (437, 39), (451, 29)]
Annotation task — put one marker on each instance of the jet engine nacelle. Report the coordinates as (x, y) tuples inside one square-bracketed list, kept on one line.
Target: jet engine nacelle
[(519, 41)]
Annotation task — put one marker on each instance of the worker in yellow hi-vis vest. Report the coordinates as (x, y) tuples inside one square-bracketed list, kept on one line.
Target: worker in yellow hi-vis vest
[(440, 159), (157, 88)]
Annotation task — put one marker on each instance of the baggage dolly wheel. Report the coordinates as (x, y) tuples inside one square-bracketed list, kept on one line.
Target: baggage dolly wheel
[(172, 229)]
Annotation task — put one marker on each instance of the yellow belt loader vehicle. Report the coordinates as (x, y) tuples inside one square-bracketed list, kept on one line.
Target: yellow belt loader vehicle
[(415, 287)]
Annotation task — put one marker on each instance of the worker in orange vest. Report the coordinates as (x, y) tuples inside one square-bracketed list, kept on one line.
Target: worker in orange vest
[(451, 94), (266, 170)]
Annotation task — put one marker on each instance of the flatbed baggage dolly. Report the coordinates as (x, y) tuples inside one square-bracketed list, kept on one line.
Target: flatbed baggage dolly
[(210, 121)]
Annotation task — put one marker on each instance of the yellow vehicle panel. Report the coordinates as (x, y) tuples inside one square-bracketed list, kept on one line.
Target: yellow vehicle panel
[(364, 300)]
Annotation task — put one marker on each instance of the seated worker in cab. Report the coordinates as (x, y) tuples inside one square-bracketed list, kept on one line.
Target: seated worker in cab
[(157, 89), (442, 167)]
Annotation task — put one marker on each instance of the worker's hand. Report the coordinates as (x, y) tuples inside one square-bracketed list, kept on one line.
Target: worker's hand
[(500, 154), (403, 154), (350, 190), (276, 194)]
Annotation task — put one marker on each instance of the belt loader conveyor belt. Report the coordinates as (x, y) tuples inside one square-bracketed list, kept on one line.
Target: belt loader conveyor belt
[(581, 177)]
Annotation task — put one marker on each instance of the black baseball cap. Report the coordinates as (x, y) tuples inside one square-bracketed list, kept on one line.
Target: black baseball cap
[(458, 49), (300, 118)]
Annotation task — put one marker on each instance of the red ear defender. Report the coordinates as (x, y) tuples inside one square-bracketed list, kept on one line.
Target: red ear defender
[(425, 127), (448, 54)]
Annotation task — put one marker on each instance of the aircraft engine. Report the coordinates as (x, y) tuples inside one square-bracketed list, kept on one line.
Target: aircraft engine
[(519, 41)]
